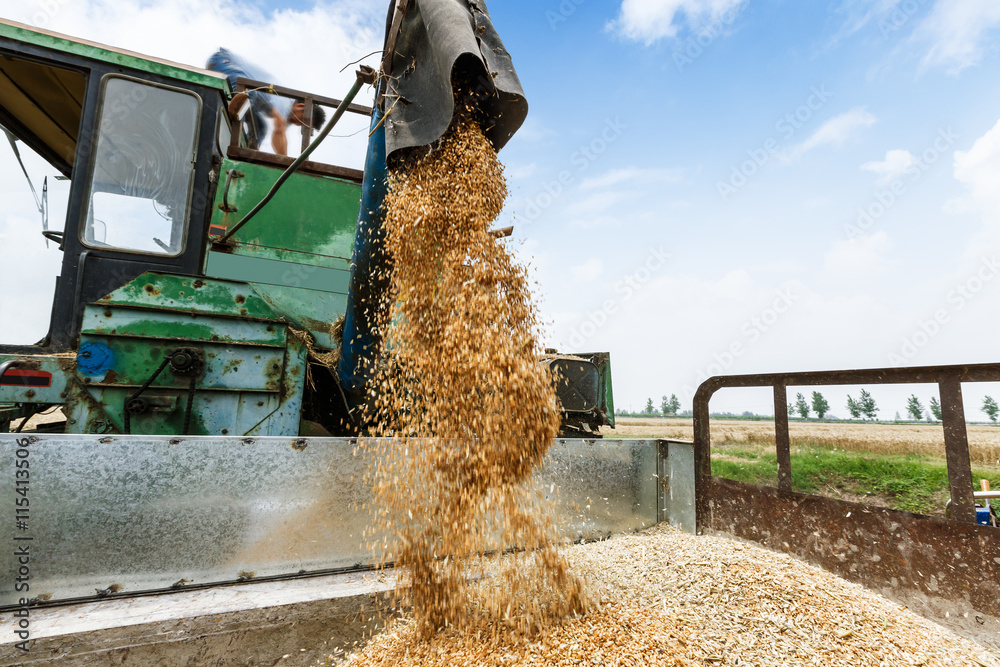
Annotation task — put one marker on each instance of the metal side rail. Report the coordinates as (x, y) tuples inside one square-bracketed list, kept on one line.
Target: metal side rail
[(98, 517)]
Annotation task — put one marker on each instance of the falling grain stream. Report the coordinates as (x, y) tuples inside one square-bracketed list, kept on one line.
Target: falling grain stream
[(464, 410)]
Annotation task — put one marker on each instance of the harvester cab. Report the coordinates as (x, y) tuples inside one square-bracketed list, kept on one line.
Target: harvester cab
[(174, 313), (155, 328)]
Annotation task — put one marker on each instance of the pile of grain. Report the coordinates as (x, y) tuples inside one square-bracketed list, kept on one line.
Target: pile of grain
[(464, 410), (666, 598)]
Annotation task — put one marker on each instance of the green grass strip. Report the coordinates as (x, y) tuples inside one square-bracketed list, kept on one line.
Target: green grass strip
[(905, 482)]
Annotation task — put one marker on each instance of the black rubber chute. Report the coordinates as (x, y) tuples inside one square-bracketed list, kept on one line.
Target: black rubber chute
[(443, 44)]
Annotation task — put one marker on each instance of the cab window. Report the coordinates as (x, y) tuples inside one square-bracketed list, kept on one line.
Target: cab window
[(143, 168)]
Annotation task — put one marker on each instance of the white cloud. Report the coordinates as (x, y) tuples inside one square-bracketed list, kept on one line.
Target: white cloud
[(596, 209), (978, 169), (858, 258), (895, 164), (957, 31), (588, 271), (858, 14), (648, 21), (784, 267), (26, 302), (28, 271), (633, 176), (834, 132), (600, 201)]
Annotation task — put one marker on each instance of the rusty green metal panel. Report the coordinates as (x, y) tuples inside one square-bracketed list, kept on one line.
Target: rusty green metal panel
[(190, 326), (296, 253), (132, 362), (311, 221), (253, 376), (182, 293), (66, 44), (101, 411), (260, 270), (223, 404)]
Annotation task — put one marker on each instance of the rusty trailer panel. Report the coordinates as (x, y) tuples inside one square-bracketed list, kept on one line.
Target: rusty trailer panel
[(892, 552)]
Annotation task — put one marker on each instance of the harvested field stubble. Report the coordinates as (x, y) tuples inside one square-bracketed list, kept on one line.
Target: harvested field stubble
[(984, 441), (465, 411), (667, 598)]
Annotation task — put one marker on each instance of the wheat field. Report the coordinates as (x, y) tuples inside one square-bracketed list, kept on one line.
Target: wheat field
[(925, 439)]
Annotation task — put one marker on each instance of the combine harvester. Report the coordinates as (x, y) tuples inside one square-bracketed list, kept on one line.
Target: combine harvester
[(198, 505)]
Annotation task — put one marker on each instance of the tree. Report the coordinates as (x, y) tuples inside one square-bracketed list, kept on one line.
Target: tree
[(853, 407), (914, 408), (670, 406), (801, 406), (867, 404), (935, 408), (650, 408), (820, 406), (991, 409)]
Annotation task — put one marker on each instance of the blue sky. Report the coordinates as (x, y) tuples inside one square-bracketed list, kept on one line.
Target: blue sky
[(691, 175)]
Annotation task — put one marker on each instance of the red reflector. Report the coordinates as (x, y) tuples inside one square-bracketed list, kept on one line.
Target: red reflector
[(16, 378)]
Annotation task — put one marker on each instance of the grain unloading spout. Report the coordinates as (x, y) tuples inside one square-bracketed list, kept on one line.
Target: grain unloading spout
[(441, 58), (435, 49)]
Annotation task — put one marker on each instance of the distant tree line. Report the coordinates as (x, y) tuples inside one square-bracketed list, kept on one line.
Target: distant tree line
[(862, 407), (804, 408), (669, 407)]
